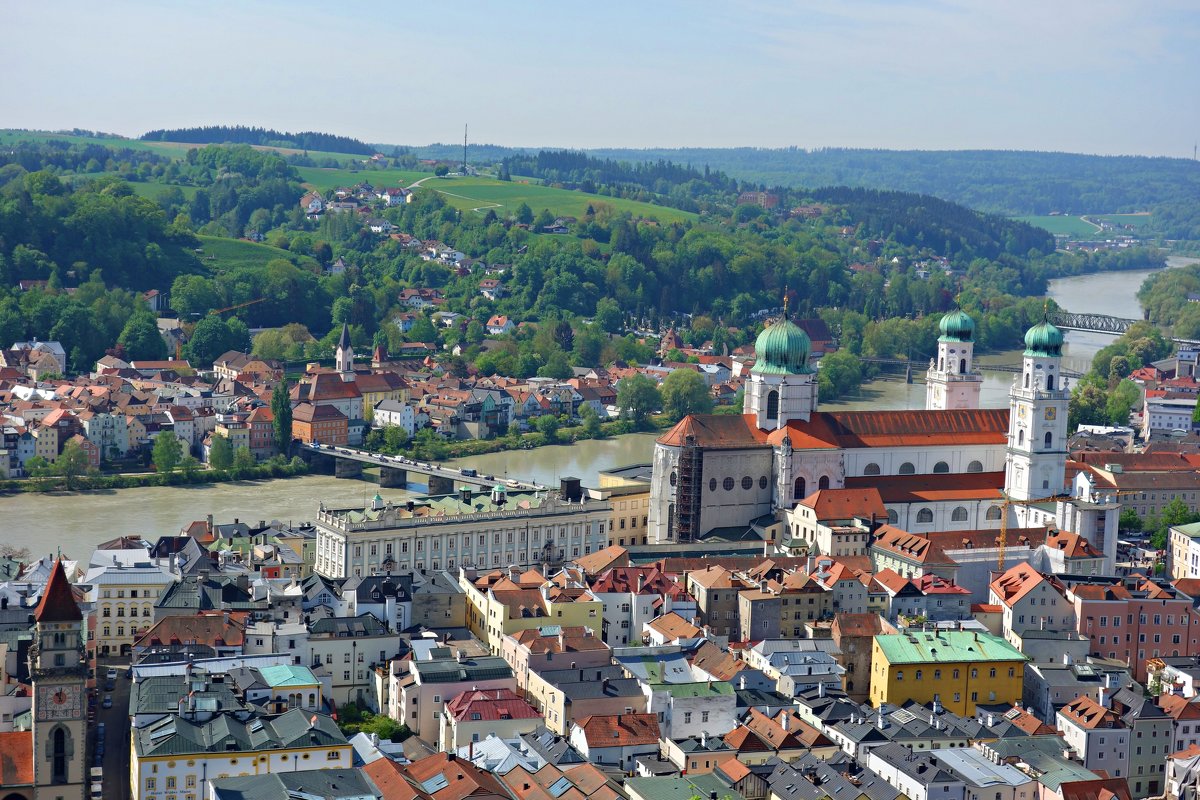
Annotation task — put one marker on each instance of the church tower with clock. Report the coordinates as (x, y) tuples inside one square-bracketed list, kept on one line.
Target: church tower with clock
[(1037, 433), (59, 673)]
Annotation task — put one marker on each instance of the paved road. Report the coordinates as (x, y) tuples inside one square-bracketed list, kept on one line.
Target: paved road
[(116, 730)]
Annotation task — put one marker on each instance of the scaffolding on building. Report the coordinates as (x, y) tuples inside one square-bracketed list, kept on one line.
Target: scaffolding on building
[(686, 517)]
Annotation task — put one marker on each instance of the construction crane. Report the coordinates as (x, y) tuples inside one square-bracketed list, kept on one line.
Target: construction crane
[(1008, 501), (239, 305)]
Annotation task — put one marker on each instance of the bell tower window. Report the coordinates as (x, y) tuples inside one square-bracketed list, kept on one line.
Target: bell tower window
[(798, 489), (773, 405)]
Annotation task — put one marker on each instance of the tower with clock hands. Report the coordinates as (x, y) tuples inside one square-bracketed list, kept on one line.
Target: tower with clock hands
[(59, 674)]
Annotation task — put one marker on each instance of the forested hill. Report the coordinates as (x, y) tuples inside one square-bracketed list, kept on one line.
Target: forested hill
[(225, 134), (1000, 181)]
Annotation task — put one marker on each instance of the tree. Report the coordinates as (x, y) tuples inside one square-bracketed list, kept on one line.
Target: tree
[(214, 336), (281, 411), (638, 397), (547, 425), (141, 339), (167, 452), (72, 462), (684, 391), (608, 315), (1130, 521), (189, 466), (591, 422), (524, 214), (243, 462), (394, 437), (220, 452), (441, 170)]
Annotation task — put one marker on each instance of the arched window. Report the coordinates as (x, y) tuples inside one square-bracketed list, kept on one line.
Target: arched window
[(958, 515), (975, 466), (993, 513), (1020, 437), (823, 483), (940, 468), (1049, 439), (798, 490), (773, 404), (907, 468), (1050, 382), (962, 366), (924, 516), (58, 755), (941, 365), (871, 469), (1026, 380), (893, 517)]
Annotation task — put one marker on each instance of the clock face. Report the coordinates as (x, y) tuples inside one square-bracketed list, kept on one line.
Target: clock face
[(59, 702), (1051, 412)]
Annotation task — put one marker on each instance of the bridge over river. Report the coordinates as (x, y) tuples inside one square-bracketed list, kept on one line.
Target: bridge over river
[(1100, 323), (394, 471)]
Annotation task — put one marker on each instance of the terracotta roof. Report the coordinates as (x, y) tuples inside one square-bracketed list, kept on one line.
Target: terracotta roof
[(910, 546), (597, 562), (1189, 586), (1177, 707), (715, 431), (744, 740), (718, 662), (861, 429), (986, 608), (857, 625), (490, 705), (716, 578), (733, 769), (1137, 462), (1071, 544), (619, 730), (1099, 789), (462, 779), (804, 733), (576, 639), (891, 580), (306, 412), (1016, 582), (936, 584), (770, 731), (863, 503), (1027, 722), (672, 626), (933, 488), (626, 580), (212, 628), (1087, 713), (58, 601), (16, 759)]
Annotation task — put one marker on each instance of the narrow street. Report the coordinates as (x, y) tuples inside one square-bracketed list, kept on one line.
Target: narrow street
[(116, 733)]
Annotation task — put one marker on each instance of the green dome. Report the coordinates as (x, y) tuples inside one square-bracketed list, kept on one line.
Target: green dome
[(957, 327), (782, 349), (1044, 340)]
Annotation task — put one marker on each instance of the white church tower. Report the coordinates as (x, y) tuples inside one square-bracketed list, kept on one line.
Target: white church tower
[(952, 381), (1037, 427), (345, 355), (782, 387)]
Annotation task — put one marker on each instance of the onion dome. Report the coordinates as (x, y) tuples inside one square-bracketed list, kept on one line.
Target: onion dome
[(782, 349), (956, 326), (1044, 340)]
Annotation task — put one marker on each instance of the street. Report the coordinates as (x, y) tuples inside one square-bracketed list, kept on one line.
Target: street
[(116, 733)]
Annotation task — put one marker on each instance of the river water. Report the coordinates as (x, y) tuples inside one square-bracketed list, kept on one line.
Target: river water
[(77, 522)]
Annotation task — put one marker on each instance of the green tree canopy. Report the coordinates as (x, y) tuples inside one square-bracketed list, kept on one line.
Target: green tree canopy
[(637, 398), (167, 452), (220, 452), (141, 339), (684, 391)]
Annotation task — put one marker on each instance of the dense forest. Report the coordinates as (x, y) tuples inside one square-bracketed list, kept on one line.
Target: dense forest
[(237, 134)]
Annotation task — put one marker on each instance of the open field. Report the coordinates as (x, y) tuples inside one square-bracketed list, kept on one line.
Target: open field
[(505, 196), (323, 179), (238, 254), (1063, 225), (1137, 221)]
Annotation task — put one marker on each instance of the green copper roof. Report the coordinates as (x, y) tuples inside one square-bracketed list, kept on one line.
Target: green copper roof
[(1043, 340), (782, 349), (925, 647), (956, 326)]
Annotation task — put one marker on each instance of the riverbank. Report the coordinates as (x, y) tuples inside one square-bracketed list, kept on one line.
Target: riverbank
[(100, 482)]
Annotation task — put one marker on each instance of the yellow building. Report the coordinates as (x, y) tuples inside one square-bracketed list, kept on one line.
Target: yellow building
[(957, 668), (628, 490), (500, 603)]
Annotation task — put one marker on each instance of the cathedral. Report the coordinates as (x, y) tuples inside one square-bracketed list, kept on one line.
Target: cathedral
[(952, 466), (49, 760)]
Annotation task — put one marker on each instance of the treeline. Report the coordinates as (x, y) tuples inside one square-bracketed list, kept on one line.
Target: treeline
[(999, 181), (578, 170), (266, 137), (1172, 298), (59, 155)]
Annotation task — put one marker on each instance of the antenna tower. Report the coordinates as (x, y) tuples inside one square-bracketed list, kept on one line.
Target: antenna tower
[(464, 148)]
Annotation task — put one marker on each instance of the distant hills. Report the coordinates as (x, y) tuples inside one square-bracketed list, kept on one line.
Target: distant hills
[(265, 137)]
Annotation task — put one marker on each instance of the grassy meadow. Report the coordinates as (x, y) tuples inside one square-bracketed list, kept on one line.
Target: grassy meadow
[(1063, 225), (223, 254)]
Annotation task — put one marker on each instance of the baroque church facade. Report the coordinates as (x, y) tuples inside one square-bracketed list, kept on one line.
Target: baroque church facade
[(952, 466)]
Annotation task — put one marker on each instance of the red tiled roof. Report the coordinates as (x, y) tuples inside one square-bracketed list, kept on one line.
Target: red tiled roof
[(211, 627), (58, 601), (1136, 462), (715, 431), (855, 429), (463, 778), (910, 546), (16, 759), (1099, 789), (936, 584), (672, 626), (933, 488), (857, 625), (619, 730), (1087, 713), (490, 705), (1017, 582), (863, 502)]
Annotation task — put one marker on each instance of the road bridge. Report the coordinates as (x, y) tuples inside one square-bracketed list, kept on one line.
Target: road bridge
[(395, 471), (1101, 323)]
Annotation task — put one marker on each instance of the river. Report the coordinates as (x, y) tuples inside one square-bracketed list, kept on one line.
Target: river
[(76, 522)]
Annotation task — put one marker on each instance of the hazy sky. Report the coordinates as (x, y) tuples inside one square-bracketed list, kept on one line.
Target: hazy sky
[(1093, 76)]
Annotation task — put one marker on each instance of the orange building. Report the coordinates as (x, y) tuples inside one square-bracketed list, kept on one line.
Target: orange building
[(324, 424)]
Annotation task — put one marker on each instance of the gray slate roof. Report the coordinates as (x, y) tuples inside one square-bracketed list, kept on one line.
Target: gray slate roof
[(174, 735)]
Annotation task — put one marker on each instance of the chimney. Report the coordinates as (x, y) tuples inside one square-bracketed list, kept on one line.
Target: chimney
[(742, 682), (820, 688), (641, 581), (786, 721), (1103, 697), (1067, 660), (881, 723), (208, 520)]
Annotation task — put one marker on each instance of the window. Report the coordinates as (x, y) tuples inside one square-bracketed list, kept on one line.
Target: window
[(899, 674), (773, 405), (907, 469), (937, 674), (762, 484), (798, 492), (727, 484), (170, 781), (918, 676), (1049, 439), (893, 517), (940, 468), (823, 483), (150, 784), (975, 466), (993, 513), (687, 717), (958, 515), (747, 483), (704, 716), (974, 673), (871, 469), (924, 516), (333, 755)]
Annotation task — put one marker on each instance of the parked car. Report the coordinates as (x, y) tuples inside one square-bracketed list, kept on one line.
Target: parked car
[(112, 673), (107, 701)]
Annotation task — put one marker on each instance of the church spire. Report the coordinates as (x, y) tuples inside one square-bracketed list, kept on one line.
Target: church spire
[(58, 600)]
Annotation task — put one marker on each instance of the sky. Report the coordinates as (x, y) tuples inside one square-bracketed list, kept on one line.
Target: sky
[(1090, 76)]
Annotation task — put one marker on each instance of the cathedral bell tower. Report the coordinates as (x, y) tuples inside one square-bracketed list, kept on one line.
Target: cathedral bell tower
[(344, 357), (781, 387), (58, 672), (1037, 426), (952, 382)]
